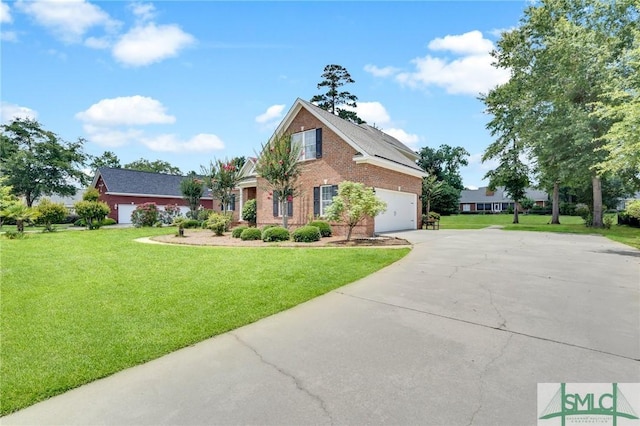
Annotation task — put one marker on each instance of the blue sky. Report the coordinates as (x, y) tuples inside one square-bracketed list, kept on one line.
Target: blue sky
[(187, 82)]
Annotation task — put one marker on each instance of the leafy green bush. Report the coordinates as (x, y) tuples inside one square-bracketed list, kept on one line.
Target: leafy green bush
[(108, 221), (306, 234), (218, 222), (146, 214), (50, 213), (324, 227), (583, 211), (633, 209), (189, 223), (92, 212), (275, 233), (203, 214), (14, 234), (264, 228), (607, 221), (540, 210), (235, 233), (251, 234), (568, 209), (250, 212)]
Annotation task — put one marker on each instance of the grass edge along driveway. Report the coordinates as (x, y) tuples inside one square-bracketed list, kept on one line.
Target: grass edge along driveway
[(78, 306)]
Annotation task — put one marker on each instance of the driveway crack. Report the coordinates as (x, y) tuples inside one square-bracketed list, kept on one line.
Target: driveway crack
[(483, 373), (296, 381), (503, 323)]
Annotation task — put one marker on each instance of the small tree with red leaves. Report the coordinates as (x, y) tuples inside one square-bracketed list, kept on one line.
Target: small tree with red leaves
[(222, 177)]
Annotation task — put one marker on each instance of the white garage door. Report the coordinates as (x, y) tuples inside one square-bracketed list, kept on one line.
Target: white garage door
[(124, 212), (401, 211)]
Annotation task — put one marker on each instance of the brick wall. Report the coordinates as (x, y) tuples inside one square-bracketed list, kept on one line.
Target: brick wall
[(335, 166)]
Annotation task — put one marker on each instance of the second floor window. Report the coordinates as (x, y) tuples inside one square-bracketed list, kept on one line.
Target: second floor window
[(309, 142)]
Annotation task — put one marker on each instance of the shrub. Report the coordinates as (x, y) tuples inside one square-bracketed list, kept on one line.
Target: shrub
[(607, 221), (251, 234), (71, 218), (218, 222), (108, 221), (92, 212), (264, 228), (50, 213), (189, 223), (79, 223), (203, 214), (633, 209), (14, 234), (583, 211), (250, 212), (568, 209), (237, 231), (306, 234), (145, 214), (275, 233), (324, 227), (540, 210), (170, 213)]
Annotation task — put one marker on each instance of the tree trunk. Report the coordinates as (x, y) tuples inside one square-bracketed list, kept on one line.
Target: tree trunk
[(20, 225), (349, 233), (515, 212), (555, 204), (283, 212), (597, 201)]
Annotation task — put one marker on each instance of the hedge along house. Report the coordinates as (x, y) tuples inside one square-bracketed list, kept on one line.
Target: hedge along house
[(483, 200), (123, 190), (336, 150)]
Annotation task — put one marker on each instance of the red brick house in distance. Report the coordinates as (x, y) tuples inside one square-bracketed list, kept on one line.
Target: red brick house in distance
[(335, 150)]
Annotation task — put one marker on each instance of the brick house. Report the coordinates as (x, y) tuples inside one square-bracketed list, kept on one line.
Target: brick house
[(335, 150), (124, 189), (486, 201)]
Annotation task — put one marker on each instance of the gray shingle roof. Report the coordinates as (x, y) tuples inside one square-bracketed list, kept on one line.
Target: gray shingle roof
[(371, 141), (480, 195), (125, 181)]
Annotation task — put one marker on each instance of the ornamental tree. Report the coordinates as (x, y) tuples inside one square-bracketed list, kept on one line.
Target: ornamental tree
[(222, 177), (353, 204), (278, 165)]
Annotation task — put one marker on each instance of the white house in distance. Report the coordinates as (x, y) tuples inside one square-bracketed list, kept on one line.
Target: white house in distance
[(487, 201)]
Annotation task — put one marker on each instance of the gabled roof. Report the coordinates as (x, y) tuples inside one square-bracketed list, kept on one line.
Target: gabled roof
[(135, 182), (499, 195), (371, 144)]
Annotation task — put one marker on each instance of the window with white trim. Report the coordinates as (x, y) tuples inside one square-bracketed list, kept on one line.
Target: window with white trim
[(307, 140), (326, 198)]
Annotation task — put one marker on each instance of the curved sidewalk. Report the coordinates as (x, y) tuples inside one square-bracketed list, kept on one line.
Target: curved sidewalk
[(458, 332)]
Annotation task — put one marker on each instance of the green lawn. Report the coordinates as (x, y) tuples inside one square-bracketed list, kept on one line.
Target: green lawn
[(568, 224), (77, 306)]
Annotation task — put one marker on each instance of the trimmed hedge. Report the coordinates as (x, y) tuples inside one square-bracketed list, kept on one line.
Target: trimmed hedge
[(324, 227), (235, 233), (251, 234), (275, 233), (306, 234)]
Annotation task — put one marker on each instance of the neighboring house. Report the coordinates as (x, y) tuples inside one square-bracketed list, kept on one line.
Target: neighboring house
[(124, 189), (624, 203), (336, 150), (484, 200), (67, 201)]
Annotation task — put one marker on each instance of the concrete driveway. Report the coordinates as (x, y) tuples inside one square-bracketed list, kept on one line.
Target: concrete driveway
[(458, 332)]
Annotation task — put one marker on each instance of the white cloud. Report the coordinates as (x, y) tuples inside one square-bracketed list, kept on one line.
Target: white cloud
[(11, 36), (381, 72), (144, 11), (5, 13), (471, 43), (171, 143), (128, 111), (9, 112), (67, 19), (144, 45), (469, 73), (475, 161), (273, 113), (497, 32), (111, 138), (411, 140), (97, 43)]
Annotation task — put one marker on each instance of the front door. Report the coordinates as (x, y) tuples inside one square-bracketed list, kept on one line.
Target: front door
[(497, 207)]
